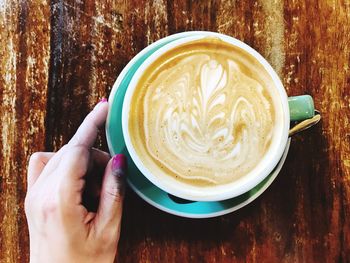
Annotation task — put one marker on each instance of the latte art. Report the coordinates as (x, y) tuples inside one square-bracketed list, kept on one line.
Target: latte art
[(202, 116)]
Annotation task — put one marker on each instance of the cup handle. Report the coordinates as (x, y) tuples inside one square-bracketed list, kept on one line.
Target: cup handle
[(302, 113)]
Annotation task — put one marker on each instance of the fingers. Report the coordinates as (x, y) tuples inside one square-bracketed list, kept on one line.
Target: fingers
[(93, 179), (70, 172), (112, 194), (74, 182), (87, 132), (101, 158), (37, 163)]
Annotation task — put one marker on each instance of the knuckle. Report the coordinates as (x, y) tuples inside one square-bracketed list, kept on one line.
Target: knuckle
[(106, 237), (75, 155), (36, 205), (48, 208), (77, 152), (35, 157)]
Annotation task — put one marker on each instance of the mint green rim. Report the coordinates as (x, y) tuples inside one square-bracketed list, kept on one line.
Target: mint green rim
[(301, 107), (138, 182)]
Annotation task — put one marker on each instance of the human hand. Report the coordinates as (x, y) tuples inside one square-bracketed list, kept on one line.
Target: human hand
[(61, 227)]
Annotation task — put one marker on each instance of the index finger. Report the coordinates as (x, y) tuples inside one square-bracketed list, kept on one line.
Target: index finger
[(87, 132)]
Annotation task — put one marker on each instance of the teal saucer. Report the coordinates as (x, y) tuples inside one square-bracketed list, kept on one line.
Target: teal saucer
[(139, 183)]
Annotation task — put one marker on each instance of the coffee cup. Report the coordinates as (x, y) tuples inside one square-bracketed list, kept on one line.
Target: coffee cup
[(205, 117)]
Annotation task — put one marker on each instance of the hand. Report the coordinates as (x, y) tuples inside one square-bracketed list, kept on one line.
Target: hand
[(62, 228)]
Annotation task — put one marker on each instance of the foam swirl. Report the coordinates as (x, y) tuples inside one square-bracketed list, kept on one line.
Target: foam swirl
[(205, 120)]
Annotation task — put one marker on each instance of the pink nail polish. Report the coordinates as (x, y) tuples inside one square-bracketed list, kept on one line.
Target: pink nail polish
[(119, 163), (103, 100)]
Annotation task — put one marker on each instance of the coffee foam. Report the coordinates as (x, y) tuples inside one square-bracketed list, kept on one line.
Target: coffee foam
[(203, 113)]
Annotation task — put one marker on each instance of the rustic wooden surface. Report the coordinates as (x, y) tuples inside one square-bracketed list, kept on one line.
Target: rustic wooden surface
[(58, 58)]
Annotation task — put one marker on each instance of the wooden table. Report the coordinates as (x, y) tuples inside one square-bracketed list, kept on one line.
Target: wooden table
[(58, 58)]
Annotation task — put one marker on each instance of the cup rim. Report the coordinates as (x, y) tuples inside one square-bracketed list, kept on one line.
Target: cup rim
[(225, 191)]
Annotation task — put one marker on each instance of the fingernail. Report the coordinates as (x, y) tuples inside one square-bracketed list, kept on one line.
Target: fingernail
[(102, 100), (119, 164)]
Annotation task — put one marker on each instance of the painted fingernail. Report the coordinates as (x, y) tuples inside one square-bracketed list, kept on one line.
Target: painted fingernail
[(102, 100), (119, 164)]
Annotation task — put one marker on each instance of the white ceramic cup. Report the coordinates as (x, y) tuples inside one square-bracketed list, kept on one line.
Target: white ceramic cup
[(237, 187)]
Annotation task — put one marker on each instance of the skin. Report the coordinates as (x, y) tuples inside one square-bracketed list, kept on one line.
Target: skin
[(62, 226)]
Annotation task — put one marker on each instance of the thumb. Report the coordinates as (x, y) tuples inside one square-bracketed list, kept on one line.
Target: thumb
[(109, 212)]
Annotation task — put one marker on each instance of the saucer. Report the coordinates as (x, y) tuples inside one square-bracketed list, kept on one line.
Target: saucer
[(139, 183)]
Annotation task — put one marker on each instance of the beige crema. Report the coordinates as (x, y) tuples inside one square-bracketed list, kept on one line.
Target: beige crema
[(203, 113)]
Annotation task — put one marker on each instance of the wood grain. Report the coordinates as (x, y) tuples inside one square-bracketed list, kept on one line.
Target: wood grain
[(24, 58), (58, 58)]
